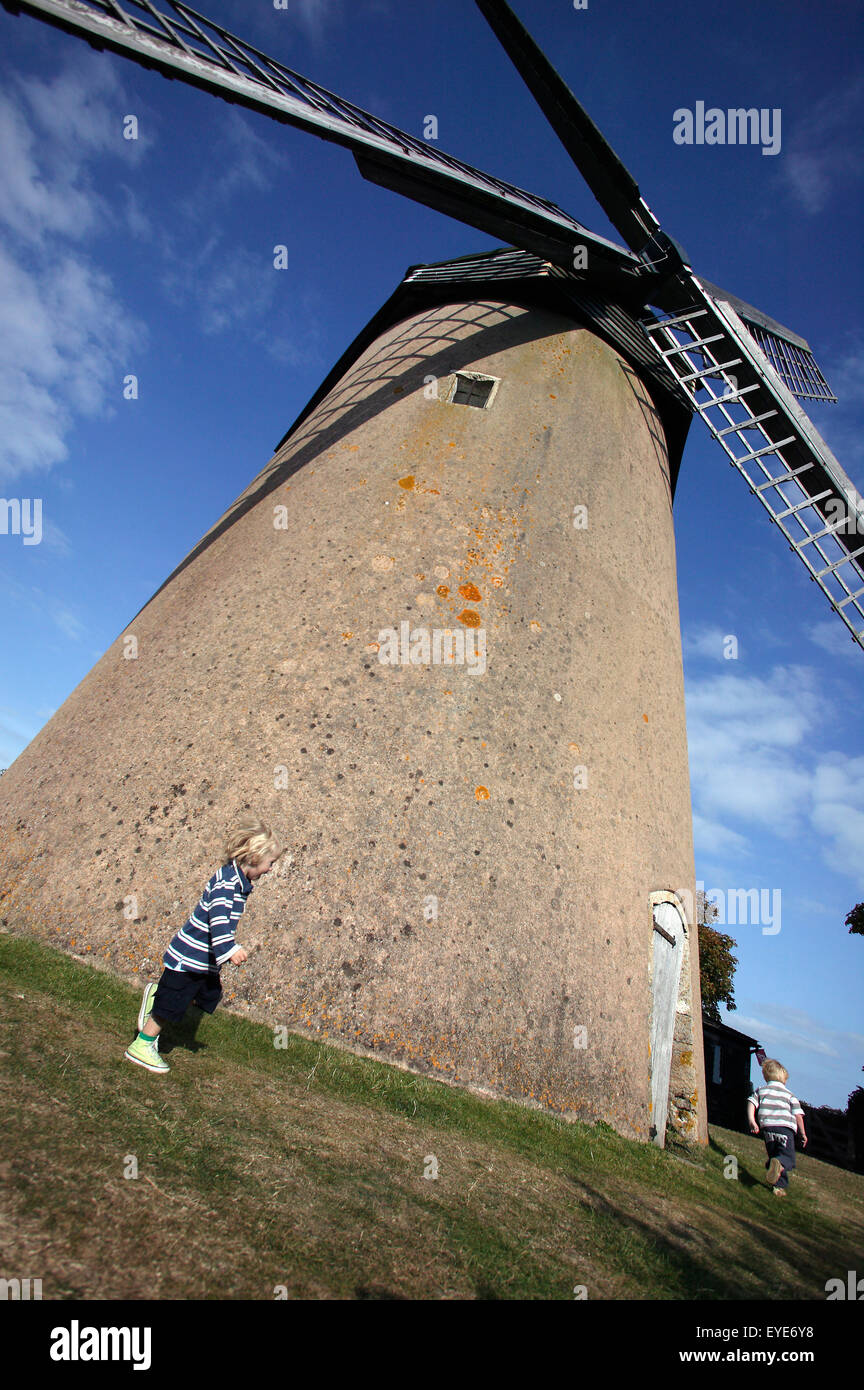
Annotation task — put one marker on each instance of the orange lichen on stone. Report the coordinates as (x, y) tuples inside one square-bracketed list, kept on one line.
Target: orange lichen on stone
[(407, 482), (346, 636), (645, 717), (469, 617), (442, 591), (470, 591), (481, 793)]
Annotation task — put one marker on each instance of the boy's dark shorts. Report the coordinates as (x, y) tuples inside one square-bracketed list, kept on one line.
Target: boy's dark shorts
[(780, 1143), (177, 989)]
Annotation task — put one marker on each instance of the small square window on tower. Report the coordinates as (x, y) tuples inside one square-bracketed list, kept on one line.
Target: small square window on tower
[(470, 388)]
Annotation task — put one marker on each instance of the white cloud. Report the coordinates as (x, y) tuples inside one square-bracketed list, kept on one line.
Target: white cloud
[(754, 763), (65, 338), (249, 160), (821, 153), (834, 637), (53, 539), (65, 341), (840, 424), (67, 621), (714, 838), (136, 219), (34, 202), (274, 24), (842, 826), (779, 1027), (811, 905), (51, 133), (847, 377), (732, 712), (705, 641), (838, 777), (228, 287)]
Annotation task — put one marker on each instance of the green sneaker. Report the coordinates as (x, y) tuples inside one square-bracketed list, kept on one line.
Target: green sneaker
[(146, 1054), (146, 1006)]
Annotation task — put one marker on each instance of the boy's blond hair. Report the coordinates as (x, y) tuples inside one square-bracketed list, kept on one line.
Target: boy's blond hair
[(249, 841), (774, 1071)]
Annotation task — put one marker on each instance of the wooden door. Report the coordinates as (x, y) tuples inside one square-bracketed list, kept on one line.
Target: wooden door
[(666, 974)]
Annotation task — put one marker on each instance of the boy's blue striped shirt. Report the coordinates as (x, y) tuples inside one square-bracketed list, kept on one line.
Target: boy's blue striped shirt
[(776, 1106), (206, 941)]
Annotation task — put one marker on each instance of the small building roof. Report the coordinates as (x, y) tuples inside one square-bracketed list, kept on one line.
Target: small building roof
[(601, 299), (724, 1031)]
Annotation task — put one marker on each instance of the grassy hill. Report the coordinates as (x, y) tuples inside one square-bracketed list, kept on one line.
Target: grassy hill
[(304, 1168)]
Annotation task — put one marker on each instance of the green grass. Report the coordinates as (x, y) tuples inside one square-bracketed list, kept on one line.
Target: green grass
[(310, 1161)]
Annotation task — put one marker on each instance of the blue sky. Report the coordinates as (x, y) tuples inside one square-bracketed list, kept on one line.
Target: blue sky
[(155, 257)]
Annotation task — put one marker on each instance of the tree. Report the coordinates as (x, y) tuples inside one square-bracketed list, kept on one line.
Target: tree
[(716, 961), (855, 919), (855, 1116)]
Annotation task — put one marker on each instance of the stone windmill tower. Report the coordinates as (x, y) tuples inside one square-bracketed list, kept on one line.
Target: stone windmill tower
[(425, 646)]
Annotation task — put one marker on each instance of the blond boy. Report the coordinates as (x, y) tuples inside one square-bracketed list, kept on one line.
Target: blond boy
[(196, 953), (779, 1115)]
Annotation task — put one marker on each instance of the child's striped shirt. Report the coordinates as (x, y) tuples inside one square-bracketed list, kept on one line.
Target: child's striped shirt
[(207, 939), (776, 1107)]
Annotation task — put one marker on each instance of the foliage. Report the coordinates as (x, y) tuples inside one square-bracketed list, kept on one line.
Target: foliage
[(855, 919), (855, 1114), (716, 961)]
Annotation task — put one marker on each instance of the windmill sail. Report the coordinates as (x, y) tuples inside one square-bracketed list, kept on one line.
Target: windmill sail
[(773, 445), (739, 369), (618, 194), (788, 353), (795, 364), (180, 42), (822, 524), (609, 180)]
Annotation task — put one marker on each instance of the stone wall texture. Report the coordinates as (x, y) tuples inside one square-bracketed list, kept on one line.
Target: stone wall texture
[(453, 901)]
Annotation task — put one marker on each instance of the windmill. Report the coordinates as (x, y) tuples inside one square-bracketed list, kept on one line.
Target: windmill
[(586, 1002)]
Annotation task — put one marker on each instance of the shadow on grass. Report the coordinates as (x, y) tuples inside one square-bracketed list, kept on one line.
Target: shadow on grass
[(184, 1034), (746, 1179), (726, 1274)]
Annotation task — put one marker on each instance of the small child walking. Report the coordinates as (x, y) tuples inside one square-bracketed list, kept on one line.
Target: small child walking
[(779, 1115), (196, 953)]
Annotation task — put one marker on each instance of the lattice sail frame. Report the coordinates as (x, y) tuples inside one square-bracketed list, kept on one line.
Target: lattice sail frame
[(795, 365), (709, 344)]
